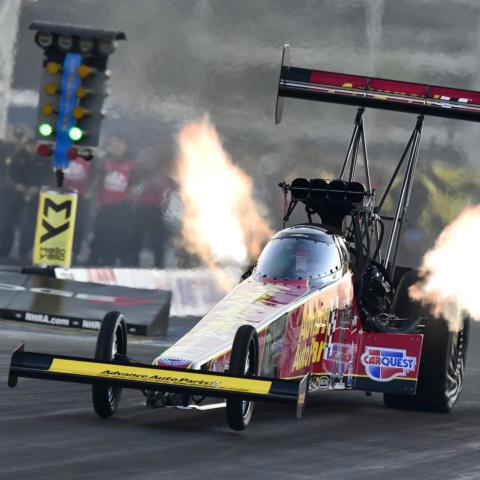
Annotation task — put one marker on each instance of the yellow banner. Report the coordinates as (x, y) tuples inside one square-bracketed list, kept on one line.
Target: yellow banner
[(53, 244), (188, 378)]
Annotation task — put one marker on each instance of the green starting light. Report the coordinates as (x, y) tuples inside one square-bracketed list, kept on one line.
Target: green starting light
[(75, 134), (45, 129)]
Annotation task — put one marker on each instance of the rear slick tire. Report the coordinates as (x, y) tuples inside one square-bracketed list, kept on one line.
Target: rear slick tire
[(112, 340), (243, 361), (442, 362)]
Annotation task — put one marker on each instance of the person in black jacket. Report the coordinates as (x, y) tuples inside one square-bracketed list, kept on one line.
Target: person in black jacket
[(27, 174), (9, 200)]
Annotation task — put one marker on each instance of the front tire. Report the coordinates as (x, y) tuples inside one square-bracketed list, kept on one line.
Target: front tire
[(442, 362), (243, 361), (112, 340)]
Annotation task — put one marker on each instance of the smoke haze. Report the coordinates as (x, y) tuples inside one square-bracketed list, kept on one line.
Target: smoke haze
[(450, 270)]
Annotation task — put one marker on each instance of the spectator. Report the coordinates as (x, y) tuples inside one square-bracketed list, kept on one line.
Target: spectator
[(111, 240), (27, 174), (7, 206), (150, 229), (77, 177), (10, 202)]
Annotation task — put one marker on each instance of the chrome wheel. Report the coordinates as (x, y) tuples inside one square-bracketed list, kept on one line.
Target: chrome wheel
[(111, 392), (456, 367)]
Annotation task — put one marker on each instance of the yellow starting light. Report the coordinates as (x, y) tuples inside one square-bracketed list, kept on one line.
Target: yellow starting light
[(51, 88), (82, 92), (48, 109), (80, 112), (53, 68), (84, 71)]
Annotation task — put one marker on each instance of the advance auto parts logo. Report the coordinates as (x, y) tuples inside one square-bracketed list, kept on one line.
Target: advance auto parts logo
[(162, 378), (385, 364)]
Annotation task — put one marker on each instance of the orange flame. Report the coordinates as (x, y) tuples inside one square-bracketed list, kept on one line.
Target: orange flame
[(221, 223), (450, 270)]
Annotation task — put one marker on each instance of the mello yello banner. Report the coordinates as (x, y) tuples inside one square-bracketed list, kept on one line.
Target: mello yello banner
[(53, 244)]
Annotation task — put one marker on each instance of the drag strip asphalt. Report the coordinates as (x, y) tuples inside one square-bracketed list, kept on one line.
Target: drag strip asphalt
[(48, 429)]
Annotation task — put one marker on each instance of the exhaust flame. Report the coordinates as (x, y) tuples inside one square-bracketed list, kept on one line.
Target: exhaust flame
[(220, 223), (450, 270)]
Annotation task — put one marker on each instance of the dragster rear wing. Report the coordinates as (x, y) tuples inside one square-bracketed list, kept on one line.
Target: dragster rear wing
[(374, 92), (149, 377)]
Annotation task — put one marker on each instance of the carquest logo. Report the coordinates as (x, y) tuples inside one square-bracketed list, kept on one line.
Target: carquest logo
[(385, 364)]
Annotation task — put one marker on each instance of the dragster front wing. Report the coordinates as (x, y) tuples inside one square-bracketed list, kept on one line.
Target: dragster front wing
[(149, 377)]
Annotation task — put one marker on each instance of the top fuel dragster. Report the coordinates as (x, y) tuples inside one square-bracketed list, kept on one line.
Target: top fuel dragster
[(325, 307)]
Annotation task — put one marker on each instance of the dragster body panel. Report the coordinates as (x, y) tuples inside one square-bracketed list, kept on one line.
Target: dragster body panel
[(302, 330)]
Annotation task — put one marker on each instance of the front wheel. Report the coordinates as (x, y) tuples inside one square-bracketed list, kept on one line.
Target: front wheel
[(243, 361), (111, 341)]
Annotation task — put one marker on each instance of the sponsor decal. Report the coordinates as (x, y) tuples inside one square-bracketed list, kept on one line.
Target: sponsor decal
[(154, 375), (384, 364), (174, 362), (162, 378), (91, 324), (323, 382), (349, 375), (55, 254), (55, 228), (60, 321), (40, 318), (341, 353), (318, 383), (50, 230), (313, 320)]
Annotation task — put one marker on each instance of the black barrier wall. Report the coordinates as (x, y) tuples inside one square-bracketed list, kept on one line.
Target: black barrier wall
[(66, 303)]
